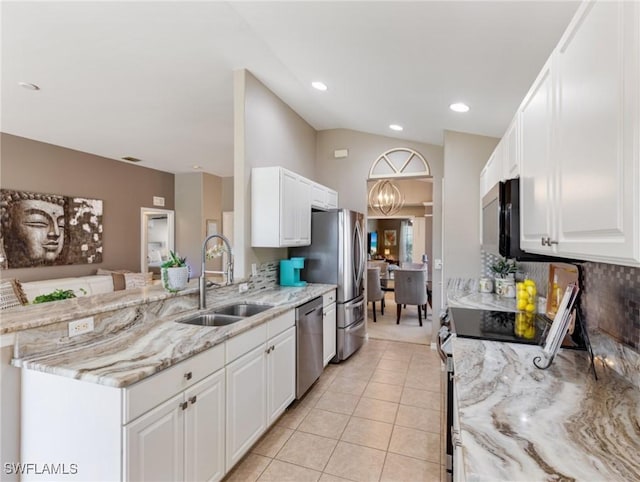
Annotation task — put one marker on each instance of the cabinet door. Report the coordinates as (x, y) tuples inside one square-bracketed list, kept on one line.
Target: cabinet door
[(281, 373), (318, 196), (512, 150), (329, 333), (536, 185), (289, 208), (246, 403), (204, 429), (303, 205), (154, 444), (597, 85), (332, 199)]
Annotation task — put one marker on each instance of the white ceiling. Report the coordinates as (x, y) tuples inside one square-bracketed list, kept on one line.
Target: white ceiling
[(153, 80)]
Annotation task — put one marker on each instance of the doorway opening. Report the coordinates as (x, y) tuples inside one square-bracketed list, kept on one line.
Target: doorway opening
[(156, 238)]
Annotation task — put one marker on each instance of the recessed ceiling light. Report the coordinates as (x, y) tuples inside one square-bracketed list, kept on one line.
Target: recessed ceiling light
[(28, 86), (319, 85), (196, 166), (459, 107), (131, 159), (395, 127)]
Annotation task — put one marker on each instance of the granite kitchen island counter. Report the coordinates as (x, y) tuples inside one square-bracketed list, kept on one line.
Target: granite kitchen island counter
[(138, 351), (519, 423)]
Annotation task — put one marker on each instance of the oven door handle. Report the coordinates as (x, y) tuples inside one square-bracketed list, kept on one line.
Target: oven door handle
[(441, 336)]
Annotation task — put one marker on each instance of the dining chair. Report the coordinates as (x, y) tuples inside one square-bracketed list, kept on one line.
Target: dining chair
[(410, 289), (374, 290)]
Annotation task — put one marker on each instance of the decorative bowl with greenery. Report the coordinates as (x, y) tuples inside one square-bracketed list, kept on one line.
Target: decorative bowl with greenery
[(174, 261), (503, 268), (174, 273)]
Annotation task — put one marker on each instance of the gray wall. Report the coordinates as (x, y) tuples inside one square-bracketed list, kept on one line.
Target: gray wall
[(124, 188), (198, 198), (349, 177), (267, 132), (464, 157)]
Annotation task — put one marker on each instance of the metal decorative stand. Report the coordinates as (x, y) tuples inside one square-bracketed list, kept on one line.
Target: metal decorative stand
[(537, 361)]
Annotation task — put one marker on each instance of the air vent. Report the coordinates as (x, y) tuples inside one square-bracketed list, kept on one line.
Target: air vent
[(131, 159)]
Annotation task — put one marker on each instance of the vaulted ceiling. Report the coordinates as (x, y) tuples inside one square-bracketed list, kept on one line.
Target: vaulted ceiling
[(153, 80)]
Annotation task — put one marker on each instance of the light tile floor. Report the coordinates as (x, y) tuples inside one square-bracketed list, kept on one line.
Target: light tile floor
[(374, 417)]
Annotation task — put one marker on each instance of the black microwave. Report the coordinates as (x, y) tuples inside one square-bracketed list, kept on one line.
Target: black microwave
[(501, 222)]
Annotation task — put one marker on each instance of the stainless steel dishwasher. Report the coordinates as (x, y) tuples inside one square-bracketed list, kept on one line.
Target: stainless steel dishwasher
[(308, 345)]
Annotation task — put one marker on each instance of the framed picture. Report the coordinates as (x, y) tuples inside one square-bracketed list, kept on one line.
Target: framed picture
[(212, 226), (390, 237), (39, 229)]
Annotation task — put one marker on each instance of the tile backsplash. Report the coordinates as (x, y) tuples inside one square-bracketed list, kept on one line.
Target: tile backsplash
[(610, 299)]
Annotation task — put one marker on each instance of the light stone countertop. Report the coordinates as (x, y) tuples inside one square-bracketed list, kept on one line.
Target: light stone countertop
[(34, 316), (519, 423), (463, 293), (145, 348)]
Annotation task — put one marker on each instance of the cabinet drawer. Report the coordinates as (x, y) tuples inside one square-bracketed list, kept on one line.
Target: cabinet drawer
[(281, 323), (243, 343), (328, 298), (144, 395)]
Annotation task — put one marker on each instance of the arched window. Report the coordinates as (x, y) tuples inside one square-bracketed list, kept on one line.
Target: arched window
[(398, 163)]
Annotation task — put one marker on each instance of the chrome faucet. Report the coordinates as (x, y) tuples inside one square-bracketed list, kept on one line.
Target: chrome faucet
[(228, 272)]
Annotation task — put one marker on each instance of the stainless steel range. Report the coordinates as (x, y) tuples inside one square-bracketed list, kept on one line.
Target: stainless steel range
[(492, 326)]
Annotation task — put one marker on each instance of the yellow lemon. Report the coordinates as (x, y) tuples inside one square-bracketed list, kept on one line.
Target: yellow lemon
[(522, 304), (530, 307), (531, 290), (529, 282), (520, 285)]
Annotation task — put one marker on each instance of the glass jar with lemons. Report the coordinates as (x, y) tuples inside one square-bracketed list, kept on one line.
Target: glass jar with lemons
[(526, 296)]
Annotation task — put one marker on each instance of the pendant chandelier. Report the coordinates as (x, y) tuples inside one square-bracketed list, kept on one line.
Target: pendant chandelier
[(385, 198)]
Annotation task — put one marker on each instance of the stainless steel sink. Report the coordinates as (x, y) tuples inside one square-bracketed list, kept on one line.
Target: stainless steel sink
[(226, 315), (212, 319), (242, 309)]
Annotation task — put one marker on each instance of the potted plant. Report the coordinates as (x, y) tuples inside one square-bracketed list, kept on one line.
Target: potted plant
[(174, 273), (503, 271)]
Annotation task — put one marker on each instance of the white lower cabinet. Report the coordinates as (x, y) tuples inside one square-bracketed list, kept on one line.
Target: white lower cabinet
[(154, 443), (192, 421), (260, 383), (328, 327), (281, 378), (246, 402), (182, 439)]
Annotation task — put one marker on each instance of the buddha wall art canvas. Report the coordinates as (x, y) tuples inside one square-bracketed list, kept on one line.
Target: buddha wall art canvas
[(48, 229)]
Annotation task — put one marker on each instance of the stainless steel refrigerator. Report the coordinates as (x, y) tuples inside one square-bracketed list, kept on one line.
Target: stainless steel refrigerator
[(337, 256)]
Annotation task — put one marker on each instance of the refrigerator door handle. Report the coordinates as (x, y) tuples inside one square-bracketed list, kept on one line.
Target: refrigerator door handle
[(358, 249)]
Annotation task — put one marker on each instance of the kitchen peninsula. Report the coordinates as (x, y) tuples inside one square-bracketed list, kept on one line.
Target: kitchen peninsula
[(146, 395)]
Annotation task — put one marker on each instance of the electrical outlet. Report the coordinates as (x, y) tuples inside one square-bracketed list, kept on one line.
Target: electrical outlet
[(437, 264), (78, 327), (254, 269), (243, 287)]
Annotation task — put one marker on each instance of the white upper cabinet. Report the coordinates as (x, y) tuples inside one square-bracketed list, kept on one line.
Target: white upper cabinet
[(281, 202), (537, 167), (580, 166), (323, 198), (596, 148), (492, 172), (512, 152), (280, 208)]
